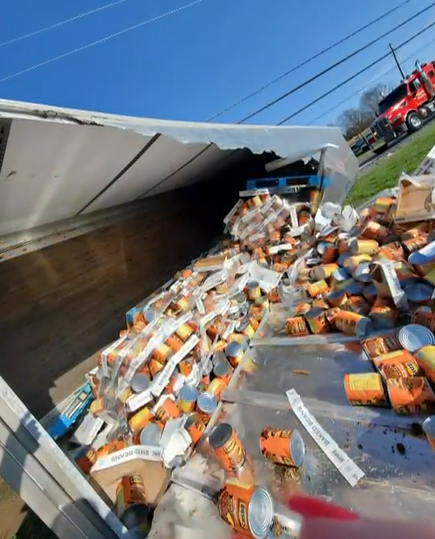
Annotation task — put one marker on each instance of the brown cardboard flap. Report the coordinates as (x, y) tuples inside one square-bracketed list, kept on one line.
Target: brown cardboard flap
[(415, 199), (155, 477)]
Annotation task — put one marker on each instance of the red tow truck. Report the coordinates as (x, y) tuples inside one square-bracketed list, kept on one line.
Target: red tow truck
[(407, 106)]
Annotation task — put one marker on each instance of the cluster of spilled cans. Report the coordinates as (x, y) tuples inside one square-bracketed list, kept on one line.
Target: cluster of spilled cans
[(246, 507), (363, 279), (404, 369)]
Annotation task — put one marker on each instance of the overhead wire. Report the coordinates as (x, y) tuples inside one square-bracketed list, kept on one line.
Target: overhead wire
[(334, 65), (61, 23), (360, 72), (102, 40), (307, 61), (366, 86)]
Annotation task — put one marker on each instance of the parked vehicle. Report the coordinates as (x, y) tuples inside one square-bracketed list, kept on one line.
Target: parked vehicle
[(406, 107)]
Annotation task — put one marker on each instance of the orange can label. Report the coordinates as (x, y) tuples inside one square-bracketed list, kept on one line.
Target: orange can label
[(426, 360), (167, 410), (140, 419), (398, 364), (87, 460), (232, 455), (376, 346), (233, 504), (130, 491), (318, 323), (296, 327), (410, 395), (195, 427), (216, 386), (346, 321), (317, 288), (275, 445), (365, 389), (111, 447)]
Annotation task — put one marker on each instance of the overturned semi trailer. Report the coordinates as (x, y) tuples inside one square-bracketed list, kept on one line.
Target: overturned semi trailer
[(96, 212)]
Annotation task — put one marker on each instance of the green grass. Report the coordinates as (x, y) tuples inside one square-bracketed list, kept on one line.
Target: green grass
[(386, 174)]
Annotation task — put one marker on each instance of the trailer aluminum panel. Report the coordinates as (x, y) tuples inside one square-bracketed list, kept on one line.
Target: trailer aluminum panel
[(59, 163)]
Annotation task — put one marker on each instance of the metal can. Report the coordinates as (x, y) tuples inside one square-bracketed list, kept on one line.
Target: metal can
[(426, 360), (174, 343), (317, 321), (365, 389), (415, 243), (227, 447), (223, 369), (376, 346), (336, 298), (357, 304), (184, 331), (317, 288), (296, 326), (374, 231), (187, 398), (140, 419), (424, 318), (363, 247), (253, 290), (131, 505), (161, 353), (328, 252), (324, 271), (398, 364), (86, 460), (352, 324), (234, 353), (429, 430), (302, 308), (167, 409), (151, 434), (246, 508), (410, 395), (111, 447), (206, 406), (195, 427), (282, 446), (384, 314), (413, 337), (216, 386), (140, 382)]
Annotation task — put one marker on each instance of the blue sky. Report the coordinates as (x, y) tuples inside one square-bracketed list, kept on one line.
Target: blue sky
[(192, 64)]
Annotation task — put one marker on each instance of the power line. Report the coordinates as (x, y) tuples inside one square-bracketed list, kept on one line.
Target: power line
[(363, 70), (61, 23), (307, 61), (333, 66), (338, 105), (102, 40)]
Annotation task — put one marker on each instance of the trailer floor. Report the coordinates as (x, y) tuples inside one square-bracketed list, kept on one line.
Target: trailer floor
[(65, 302)]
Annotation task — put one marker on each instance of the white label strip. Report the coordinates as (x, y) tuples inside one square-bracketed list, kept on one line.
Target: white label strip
[(344, 464), (143, 452)]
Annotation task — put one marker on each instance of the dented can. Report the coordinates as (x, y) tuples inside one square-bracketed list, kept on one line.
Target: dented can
[(352, 324), (296, 327), (283, 446), (227, 447), (365, 389), (246, 508)]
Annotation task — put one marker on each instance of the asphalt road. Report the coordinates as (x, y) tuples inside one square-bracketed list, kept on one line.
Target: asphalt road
[(392, 147)]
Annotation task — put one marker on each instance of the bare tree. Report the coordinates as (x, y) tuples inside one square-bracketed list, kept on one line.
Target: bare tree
[(353, 121), (369, 100)]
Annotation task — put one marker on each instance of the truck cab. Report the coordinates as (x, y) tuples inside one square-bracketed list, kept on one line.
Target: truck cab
[(406, 107)]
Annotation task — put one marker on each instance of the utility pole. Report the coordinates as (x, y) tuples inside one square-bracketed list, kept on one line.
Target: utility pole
[(399, 67)]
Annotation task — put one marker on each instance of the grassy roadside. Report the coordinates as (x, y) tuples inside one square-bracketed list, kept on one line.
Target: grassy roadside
[(387, 172)]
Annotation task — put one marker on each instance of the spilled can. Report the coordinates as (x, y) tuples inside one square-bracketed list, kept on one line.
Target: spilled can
[(363, 247), (429, 430), (234, 353), (376, 346), (410, 395), (365, 389), (246, 508), (187, 398), (131, 506), (151, 434), (296, 326), (253, 290), (195, 427), (282, 446), (227, 447), (413, 337), (426, 360), (352, 324), (140, 419), (206, 405), (398, 364), (317, 288), (317, 321)]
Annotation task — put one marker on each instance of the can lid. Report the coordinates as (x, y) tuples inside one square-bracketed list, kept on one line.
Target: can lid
[(261, 512), (220, 435), (252, 284), (233, 349), (150, 435), (188, 393), (414, 336), (206, 403), (140, 382), (362, 272), (419, 292), (297, 448)]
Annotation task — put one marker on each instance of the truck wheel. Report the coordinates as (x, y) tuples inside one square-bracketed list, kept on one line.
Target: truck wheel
[(414, 122)]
